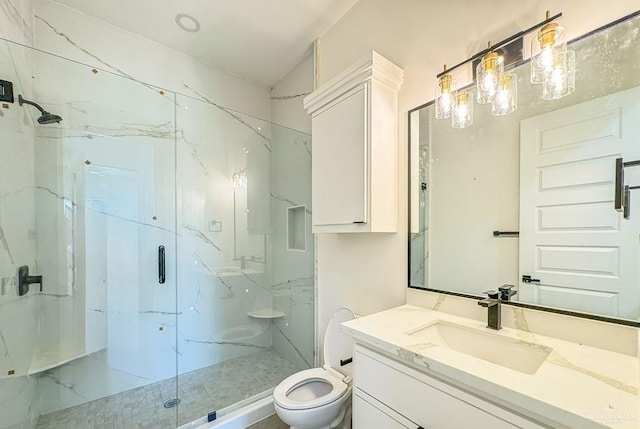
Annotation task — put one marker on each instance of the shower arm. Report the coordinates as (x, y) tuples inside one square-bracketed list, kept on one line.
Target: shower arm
[(22, 100)]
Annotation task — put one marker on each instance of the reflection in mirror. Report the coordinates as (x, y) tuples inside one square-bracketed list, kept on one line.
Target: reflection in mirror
[(546, 171)]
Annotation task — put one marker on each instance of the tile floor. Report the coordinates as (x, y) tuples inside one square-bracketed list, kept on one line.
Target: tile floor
[(200, 392)]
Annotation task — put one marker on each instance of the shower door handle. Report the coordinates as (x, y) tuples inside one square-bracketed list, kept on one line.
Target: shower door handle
[(162, 266)]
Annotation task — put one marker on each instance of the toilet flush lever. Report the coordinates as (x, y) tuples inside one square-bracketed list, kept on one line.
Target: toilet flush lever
[(347, 361)]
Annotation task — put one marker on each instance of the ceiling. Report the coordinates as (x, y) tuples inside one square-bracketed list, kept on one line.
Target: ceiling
[(260, 40)]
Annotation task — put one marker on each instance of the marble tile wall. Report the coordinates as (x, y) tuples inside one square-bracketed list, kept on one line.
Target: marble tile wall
[(219, 283), (18, 392), (16, 17), (66, 32), (608, 336), (292, 279)]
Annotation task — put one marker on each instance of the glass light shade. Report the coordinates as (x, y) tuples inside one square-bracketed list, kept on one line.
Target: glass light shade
[(506, 98), (462, 112), (548, 44), (488, 74), (562, 79), (445, 94)]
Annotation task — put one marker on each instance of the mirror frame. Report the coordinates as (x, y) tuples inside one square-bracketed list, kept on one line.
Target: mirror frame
[(591, 316)]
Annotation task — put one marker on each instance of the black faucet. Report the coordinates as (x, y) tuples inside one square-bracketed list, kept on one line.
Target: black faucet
[(494, 315), (506, 292)]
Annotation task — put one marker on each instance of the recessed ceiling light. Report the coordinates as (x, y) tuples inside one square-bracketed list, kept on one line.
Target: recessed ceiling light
[(187, 23)]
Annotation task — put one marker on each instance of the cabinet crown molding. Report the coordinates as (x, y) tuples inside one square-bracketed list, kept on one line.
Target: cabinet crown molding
[(372, 66)]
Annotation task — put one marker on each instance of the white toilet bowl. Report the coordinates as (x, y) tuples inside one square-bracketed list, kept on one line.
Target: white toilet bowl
[(320, 398)]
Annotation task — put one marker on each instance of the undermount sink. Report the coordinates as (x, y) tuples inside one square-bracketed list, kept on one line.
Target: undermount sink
[(518, 355)]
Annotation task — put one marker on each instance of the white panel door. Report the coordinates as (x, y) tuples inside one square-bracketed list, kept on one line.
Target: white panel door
[(340, 170), (583, 252)]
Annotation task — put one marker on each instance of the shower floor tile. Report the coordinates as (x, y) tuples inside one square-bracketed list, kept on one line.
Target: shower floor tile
[(200, 392)]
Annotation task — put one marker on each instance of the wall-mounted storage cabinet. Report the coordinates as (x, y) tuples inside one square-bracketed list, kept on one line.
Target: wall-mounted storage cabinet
[(355, 148)]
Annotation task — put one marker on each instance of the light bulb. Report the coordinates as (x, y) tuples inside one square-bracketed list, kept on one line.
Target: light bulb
[(506, 98), (444, 98), (561, 80), (502, 98), (555, 84), (557, 78), (545, 59), (489, 83), (462, 112), (446, 102), (488, 72)]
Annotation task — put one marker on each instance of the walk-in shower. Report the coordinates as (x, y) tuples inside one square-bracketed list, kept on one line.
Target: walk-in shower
[(123, 334)]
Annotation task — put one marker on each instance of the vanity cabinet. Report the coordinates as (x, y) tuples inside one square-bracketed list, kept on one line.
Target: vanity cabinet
[(354, 148), (389, 394)]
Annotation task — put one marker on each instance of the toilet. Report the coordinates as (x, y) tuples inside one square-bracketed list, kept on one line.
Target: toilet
[(320, 398)]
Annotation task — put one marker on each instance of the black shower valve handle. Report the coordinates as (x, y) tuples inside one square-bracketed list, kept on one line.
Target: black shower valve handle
[(24, 280)]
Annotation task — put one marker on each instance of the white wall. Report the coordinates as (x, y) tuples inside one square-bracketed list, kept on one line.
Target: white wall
[(287, 96), (369, 272)]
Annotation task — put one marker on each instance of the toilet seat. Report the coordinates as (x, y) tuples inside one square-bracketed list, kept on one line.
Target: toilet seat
[(282, 393)]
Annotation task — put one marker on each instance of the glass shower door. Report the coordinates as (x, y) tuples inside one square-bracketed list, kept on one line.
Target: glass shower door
[(103, 348), (106, 202), (245, 257)]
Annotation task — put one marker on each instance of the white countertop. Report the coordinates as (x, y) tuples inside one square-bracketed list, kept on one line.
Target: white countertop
[(577, 385)]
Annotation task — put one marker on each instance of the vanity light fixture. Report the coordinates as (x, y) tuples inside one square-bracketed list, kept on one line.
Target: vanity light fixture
[(506, 98), (488, 74), (561, 81), (462, 112), (445, 95), (548, 48), (552, 65)]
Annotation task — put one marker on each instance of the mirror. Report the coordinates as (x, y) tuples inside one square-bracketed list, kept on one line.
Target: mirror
[(545, 173)]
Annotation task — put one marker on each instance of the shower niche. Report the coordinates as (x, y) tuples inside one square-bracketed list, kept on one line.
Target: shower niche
[(296, 228)]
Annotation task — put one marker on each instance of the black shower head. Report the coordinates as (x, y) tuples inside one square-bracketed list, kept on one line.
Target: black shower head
[(46, 117), (49, 118)]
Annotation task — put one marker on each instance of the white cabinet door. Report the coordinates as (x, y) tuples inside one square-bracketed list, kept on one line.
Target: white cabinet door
[(368, 416), (584, 253), (340, 166)]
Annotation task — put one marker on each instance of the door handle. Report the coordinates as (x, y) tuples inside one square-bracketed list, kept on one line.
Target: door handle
[(619, 189), (162, 275), (528, 279)]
